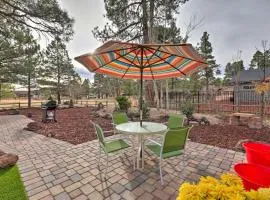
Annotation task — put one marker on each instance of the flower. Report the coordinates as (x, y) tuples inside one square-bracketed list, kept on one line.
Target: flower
[(209, 180), (229, 187), (230, 179), (260, 194)]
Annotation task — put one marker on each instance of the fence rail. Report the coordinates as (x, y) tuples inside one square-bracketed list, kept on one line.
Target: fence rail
[(219, 102), (24, 104), (227, 102)]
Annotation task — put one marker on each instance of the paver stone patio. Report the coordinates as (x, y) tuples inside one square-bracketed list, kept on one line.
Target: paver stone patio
[(53, 169)]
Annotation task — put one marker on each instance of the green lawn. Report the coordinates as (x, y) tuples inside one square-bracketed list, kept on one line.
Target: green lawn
[(11, 186)]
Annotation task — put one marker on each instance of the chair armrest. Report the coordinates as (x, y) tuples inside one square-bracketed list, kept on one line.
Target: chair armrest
[(153, 141)]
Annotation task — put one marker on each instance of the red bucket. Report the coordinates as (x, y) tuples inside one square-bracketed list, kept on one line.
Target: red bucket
[(257, 153), (253, 176)]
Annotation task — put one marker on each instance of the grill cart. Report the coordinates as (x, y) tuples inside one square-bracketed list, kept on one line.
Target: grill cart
[(49, 111)]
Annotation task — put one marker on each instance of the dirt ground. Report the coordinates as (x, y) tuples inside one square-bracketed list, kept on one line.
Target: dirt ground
[(73, 125)]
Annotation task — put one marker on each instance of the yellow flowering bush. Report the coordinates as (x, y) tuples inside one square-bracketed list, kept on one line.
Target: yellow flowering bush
[(262, 87), (228, 187)]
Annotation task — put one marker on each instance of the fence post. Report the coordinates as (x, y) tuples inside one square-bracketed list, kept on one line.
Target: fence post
[(198, 101), (107, 104), (19, 105)]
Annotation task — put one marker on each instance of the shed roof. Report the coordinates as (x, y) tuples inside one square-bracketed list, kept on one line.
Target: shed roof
[(252, 75)]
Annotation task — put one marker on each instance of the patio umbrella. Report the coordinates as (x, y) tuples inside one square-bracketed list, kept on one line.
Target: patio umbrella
[(143, 61)]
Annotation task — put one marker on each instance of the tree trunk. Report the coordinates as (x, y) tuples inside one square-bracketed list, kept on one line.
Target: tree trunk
[(0, 91), (151, 21), (156, 94), (145, 22), (29, 88), (167, 95), (262, 104), (58, 86), (161, 94), (207, 88)]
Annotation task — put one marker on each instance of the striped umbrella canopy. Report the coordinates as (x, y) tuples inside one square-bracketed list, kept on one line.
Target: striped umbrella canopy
[(143, 61)]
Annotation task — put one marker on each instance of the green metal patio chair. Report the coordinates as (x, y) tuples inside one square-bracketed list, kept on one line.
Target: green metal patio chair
[(173, 144), (119, 118), (109, 146), (175, 121)]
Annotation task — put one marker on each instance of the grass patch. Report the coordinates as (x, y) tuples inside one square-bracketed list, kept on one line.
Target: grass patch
[(11, 186)]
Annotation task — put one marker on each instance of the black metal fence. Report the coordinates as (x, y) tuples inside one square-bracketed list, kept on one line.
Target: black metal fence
[(222, 101)]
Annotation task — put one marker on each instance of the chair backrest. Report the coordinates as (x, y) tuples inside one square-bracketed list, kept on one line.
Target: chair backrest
[(175, 140), (119, 118), (175, 121), (99, 132)]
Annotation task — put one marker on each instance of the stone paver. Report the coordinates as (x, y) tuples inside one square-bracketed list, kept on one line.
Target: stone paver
[(53, 169)]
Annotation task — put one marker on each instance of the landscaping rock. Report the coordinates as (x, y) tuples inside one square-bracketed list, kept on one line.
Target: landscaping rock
[(33, 126), (7, 160), (104, 114), (2, 153), (204, 121), (239, 145), (13, 112), (255, 123)]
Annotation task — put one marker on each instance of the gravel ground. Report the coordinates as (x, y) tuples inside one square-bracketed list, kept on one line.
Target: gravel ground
[(73, 125)]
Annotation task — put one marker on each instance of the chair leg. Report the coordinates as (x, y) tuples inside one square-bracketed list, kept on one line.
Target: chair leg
[(142, 153), (134, 157), (99, 158), (106, 166), (160, 170)]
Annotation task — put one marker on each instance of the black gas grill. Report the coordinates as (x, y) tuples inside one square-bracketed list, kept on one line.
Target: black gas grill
[(49, 111)]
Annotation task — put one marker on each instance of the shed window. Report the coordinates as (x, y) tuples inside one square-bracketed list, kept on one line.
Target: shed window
[(248, 87)]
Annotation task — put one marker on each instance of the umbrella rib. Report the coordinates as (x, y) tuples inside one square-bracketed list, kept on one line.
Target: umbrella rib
[(159, 60), (153, 54), (149, 65), (103, 52), (176, 55), (120, 56), (130, 64), (168, 62), (128, 59)]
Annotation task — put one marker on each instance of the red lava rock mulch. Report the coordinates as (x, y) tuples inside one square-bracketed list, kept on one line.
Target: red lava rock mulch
[(73, 124), (227, 136)]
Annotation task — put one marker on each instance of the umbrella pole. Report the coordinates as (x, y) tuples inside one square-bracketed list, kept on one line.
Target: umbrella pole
[(141, 98)]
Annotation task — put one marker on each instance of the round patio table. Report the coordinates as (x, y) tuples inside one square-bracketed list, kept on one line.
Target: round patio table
[(147, 128)]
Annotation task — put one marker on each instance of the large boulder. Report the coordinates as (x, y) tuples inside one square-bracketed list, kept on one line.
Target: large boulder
[(8, 159)]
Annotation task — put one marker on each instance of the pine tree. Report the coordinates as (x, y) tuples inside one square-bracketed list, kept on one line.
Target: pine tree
[(131, 20), (28, 73), (57, 69), (98, 84), (256, 60), (86, 88), (206, 50), (260, 60), (42, 16), (74, 87), (232, 69)]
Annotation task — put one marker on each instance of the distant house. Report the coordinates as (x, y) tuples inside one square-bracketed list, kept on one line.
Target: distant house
[(249, 77), (244, 84), (22, 91)]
